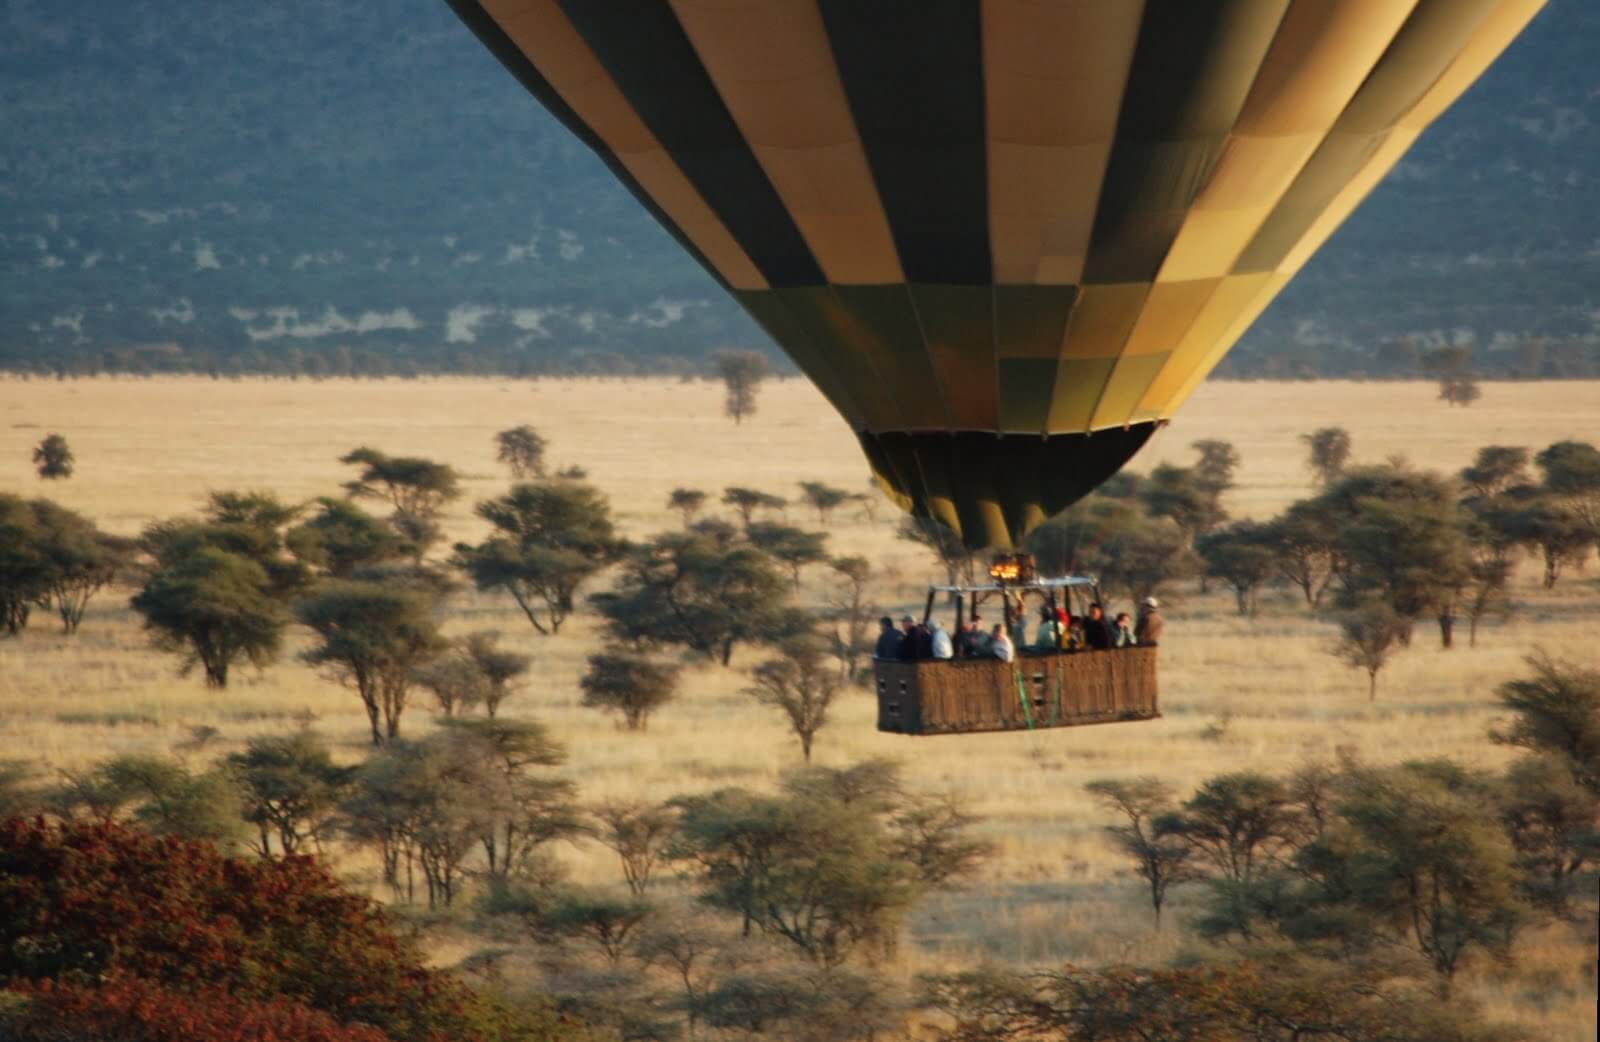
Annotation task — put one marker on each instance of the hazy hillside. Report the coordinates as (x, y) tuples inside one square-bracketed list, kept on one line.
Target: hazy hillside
[(248, 180)]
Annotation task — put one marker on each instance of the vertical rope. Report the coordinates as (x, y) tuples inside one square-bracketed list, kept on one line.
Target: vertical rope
[(1022, 696)]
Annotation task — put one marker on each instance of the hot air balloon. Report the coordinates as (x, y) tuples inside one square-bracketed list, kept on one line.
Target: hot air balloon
[(1005, 238)]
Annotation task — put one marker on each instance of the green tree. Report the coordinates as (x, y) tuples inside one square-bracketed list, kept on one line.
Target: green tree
[(1143, 558), (24, 571), (216, 609), (1495, 470), (498, 667), (1370, 633), (1571, 472), (80, 560), (52, 458), (548, 539), (1553, 823), (1241, 555), (1556, 712), (1161, 859), (522, 806), (942, 541), (688, 502), (1328, 449), (410, 484), (1560, 537), (342, 539), (521, 449), (794, 547), (1304, 541), (631, 685), (851, 612), (741, 373), (698, 590), (800, 684), (291, 789), (1426, 864), (417, 488), (638, 833), (165, 798), (823, 498), (374, 636), (1070, 543), (746, 501), (1184, 496), (1238, 822), (423, 807), (816, 873)]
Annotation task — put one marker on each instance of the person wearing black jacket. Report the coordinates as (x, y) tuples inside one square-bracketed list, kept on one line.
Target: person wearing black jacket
[(889, 639), (1096, 631)]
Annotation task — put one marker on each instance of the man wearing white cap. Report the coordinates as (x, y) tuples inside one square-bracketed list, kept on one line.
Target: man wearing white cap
[(1148, 629)]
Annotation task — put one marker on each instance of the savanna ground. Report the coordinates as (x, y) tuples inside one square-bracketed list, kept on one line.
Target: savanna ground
[(1237, 693)]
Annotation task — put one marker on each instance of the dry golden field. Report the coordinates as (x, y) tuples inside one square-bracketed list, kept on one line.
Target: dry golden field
[(1236, 693)]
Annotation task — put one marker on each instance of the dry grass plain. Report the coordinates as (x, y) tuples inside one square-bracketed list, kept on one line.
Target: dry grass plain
[(153, 448)]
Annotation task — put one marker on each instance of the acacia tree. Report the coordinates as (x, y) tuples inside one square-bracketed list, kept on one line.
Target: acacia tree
[(800, 684), (1329, 451), (291, 788), (52, 458), (851, 612), (631, 685), (1241, 555), (24, 573), (79, 560), (794, 547), (746, 501), (741, 373), (1304, 543), (688, 502), (417, 488), (638, 833), (1571, 472), (699, 590), (823, 498), (549, 538), (942, 541), (374, 636), (522, 806), (824, 865), (1496, 470), (1161, 859), (521, 449), (341, 539), (216, 609), (1370, 633)]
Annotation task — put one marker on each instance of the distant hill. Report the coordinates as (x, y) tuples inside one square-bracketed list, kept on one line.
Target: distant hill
[(336, 186)]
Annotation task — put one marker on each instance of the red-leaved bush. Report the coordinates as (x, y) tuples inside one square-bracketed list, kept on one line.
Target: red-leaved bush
[(95, 905), (140, 1011)]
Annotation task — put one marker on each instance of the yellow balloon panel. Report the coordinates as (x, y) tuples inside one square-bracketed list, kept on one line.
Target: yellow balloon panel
[(1014, 220)]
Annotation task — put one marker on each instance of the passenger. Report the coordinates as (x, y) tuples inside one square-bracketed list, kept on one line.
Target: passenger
[(1049, 635), (889, 640), (1148, 628), (1096, 631), (942, 648), (1000, 645), (924, 639), (1074, 632), (908, 639), (1122, 633), (980, 644)]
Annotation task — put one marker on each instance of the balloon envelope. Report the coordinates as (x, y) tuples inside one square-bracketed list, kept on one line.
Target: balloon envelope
[(1004, 238)]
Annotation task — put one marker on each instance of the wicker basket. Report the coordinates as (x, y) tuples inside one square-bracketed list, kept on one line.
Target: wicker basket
[(1049, 690)]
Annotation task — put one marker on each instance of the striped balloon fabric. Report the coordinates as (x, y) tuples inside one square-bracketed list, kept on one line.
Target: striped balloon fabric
[(1005, 238)]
